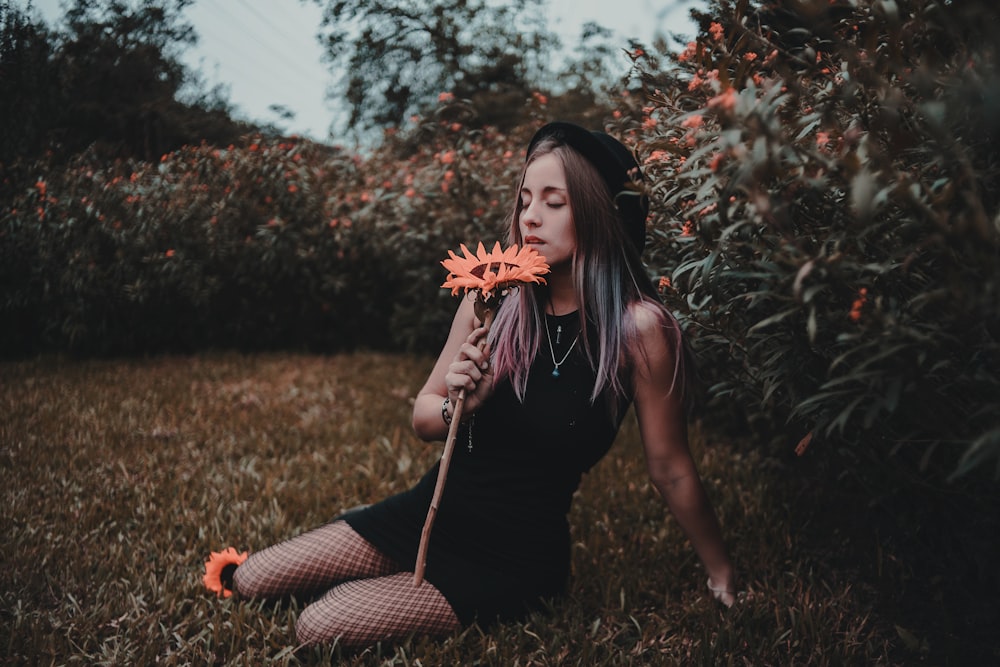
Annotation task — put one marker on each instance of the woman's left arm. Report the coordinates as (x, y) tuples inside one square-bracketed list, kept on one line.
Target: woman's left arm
[(663, 426)]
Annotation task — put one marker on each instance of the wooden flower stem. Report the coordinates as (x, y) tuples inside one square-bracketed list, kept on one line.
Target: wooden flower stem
[(449, 449)]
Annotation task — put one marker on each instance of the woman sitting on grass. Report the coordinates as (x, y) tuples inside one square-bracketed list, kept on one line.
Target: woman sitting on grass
[(545, 396)]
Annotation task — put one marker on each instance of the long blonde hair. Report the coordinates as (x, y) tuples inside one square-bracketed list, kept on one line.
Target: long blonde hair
[(608, 277)]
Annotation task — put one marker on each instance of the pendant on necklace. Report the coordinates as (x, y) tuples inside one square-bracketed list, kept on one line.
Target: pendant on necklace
[(556, 363)]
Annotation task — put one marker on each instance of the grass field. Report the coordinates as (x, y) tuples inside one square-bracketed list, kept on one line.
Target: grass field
[(119, 477)]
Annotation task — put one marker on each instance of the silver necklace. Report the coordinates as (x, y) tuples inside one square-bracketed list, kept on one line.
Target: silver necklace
[(548, 336)]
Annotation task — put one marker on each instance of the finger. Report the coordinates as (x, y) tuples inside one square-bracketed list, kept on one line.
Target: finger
[(463, 375), (486, 365), (476, 355), (478, 336), (459, 384), (721, 593)]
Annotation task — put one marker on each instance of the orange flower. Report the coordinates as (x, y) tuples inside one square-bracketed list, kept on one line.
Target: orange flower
[(689, 52), (725, 101), (693, 121), (658, 155), (716, 31), (800, 448), (492, 274), (444, 98), (219, 570), (858, 304), (664, 283)]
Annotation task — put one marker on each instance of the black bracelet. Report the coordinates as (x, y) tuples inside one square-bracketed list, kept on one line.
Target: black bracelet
[(444, 411)]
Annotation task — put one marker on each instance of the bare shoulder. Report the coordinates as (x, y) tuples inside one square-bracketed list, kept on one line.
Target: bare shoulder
[(653, 350), (651, 322)]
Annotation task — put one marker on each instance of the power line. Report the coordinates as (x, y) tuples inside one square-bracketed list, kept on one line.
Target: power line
[(253, 10), (265, 46)]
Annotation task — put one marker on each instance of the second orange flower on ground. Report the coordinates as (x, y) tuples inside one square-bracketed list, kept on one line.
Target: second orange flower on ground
[(219, 569)]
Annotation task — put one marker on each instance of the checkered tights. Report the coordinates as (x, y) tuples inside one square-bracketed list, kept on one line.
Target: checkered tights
[(364, 596)]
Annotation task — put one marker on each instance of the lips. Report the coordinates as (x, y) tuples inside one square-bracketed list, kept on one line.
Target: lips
[(532, 240)]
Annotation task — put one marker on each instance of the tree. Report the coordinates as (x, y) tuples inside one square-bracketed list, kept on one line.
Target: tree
[(110, 78), (28, 81), (399, 55), (581, 84), (119, 73)]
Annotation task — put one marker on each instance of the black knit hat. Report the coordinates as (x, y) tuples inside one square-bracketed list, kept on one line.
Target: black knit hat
[(616, 166)]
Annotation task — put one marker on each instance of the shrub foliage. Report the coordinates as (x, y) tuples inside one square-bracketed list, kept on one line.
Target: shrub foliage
[(827, 184), (264, 244)]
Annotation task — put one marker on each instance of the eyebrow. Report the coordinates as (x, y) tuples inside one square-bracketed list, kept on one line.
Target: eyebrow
[(548, 189)]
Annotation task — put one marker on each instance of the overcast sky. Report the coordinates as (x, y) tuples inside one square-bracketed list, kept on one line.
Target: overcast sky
[(265, 51)]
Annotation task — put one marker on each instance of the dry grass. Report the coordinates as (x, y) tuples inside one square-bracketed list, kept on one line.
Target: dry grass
[(118, 477)]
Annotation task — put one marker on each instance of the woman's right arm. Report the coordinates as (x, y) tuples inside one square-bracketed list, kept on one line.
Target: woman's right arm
[(461, 364)]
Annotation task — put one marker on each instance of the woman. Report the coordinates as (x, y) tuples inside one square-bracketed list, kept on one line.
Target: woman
[(546, 393)]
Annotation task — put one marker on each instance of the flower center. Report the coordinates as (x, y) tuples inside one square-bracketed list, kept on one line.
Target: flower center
[(493, 267), (226, 576)]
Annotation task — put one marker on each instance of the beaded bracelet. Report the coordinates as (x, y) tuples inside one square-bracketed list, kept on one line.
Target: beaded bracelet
[(444, 411)]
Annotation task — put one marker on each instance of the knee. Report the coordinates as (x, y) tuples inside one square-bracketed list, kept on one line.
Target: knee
[(245, 583), (316, 626)]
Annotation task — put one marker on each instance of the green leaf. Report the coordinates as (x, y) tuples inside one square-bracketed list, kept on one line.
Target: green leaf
[(774, 319), (982, 449)]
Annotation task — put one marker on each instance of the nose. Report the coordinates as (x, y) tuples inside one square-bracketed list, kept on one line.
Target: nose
[(529, 215)]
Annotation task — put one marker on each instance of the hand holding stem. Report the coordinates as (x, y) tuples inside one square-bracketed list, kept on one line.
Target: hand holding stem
[(449, 447)]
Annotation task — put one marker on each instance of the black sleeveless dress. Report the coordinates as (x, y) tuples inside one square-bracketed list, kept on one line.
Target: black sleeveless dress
[(500, 541)]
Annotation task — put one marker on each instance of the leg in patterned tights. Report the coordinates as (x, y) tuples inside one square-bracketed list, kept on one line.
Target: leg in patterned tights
[(368, 599), (363, 612)]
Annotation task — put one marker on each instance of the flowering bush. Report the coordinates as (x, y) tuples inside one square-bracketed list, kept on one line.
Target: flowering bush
[(827, 191), (264, 244)]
